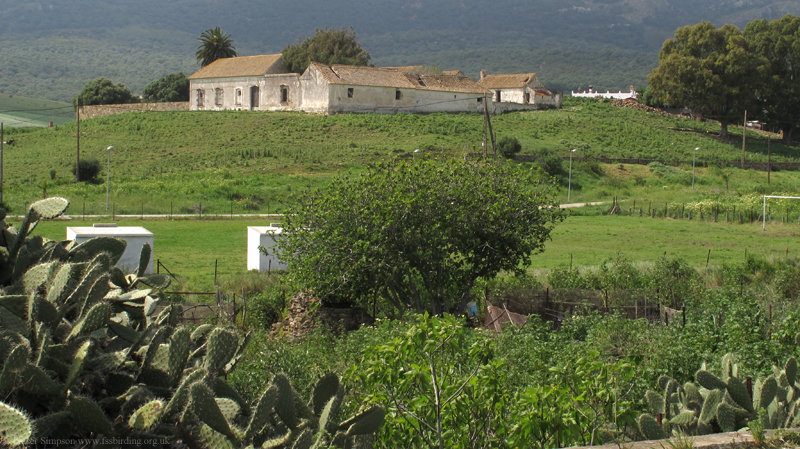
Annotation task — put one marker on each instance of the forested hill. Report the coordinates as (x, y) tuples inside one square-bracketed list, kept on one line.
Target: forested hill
[(50, 48)]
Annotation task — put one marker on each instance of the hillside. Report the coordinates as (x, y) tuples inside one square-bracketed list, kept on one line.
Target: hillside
[(253, 161), (16, 111), (50, 48)]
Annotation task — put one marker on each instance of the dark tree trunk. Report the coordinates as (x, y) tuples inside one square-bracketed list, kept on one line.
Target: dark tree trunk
[(788, 134), (723, 130)]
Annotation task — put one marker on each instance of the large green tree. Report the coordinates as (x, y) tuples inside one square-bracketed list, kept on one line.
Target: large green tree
[(328, 46), (778, 42), (418, 234), (103, 91), (710, 70), (214, 44), (174, 87)]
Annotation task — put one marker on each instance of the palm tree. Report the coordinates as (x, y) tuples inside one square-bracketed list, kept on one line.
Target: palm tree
[(214, 44)]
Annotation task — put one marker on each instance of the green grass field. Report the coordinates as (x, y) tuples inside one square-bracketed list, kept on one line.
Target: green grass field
[(189, 248), (253, 161), (16, 112)]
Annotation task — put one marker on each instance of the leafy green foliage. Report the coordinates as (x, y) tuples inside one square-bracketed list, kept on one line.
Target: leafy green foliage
[(709, 70), (89, 168), (509, 146), (438, 379), (418, 235), (327, 46), (214, 44), (103, 91), (174, 87), (778, 41)]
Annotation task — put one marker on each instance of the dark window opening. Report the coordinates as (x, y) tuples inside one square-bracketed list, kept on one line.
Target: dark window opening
[(527, 97), (480, 99), (201, 98), (349, 92), (284, 94), (255, 95), (498, 96), (398, 95)]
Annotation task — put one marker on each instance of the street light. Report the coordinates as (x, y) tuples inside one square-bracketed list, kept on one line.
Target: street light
[(693, 153), (108, 179), (415, 153), (569, 185)]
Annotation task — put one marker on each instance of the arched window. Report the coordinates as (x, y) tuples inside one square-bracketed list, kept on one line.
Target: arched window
[(237, 97), (219, 97)]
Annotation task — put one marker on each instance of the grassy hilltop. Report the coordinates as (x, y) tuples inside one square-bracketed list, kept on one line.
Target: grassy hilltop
[(253, 161)]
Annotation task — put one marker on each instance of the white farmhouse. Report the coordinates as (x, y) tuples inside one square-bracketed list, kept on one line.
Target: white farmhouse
[(255, 83), (262, 83), (520, 88)]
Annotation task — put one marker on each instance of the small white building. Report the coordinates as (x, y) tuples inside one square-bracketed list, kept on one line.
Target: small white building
[(520, 88), (266, 236), (134, 236), (244, 83), (615, 94)]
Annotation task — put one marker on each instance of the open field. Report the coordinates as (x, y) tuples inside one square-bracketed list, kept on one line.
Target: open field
[(253, 161), (189, 248), (16, 111)]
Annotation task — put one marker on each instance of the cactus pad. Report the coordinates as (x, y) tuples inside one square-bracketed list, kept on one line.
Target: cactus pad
[(655, 401), (684, 418), (205, 408), (649, 427), (146, 416), (181, 397), (222, 345), (738, 392), (726, 417), (325, 389), (48, 424), (15, 427), (262, 412), (51, 207), (87, 415), (77, 363), (229, 408), (97, 316), (709, 410), (709, 381), (144, 259), (366, 422)]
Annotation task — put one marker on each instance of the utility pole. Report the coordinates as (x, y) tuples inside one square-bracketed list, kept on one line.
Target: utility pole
[(485, 119), (78, 141), (744, 136)]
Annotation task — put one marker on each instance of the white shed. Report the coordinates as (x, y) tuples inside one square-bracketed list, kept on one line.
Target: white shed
[(134, 236), (266, 236)]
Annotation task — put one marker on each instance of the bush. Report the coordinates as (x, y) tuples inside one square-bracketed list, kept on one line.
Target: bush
[(670, 174), (89, 169), (549, 162), (509, 146)]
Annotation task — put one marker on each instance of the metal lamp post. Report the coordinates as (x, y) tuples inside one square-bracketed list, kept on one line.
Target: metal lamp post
[(569, 185), (693, 153), (108, 180)]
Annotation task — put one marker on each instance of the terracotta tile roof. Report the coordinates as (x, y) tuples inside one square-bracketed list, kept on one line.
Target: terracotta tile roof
[(450, 83), (512, 81), (408, 68), (238, 66), (453, 72), (542, 92), (395, 77), (370, 76)]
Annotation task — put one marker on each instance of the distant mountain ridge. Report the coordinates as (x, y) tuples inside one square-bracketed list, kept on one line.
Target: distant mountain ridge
[(51, 48)]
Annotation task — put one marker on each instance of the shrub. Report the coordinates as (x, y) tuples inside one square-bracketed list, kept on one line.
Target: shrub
[(509, 146), (89, 169), (549, 162)]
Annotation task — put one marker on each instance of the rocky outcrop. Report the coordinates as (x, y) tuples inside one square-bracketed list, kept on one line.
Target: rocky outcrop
[(306, 314)]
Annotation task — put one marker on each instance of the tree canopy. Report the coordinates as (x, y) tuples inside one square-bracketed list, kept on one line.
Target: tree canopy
[(174, 87), (327, 46), (103, 91), (214, 44), (417, 235), (710, 70), (778, 91)]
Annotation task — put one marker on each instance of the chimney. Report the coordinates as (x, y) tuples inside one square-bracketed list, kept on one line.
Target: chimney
[(590, 89), (483, 74)]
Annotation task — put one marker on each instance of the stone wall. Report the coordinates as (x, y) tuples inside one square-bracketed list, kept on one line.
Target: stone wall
[(105, 110)]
